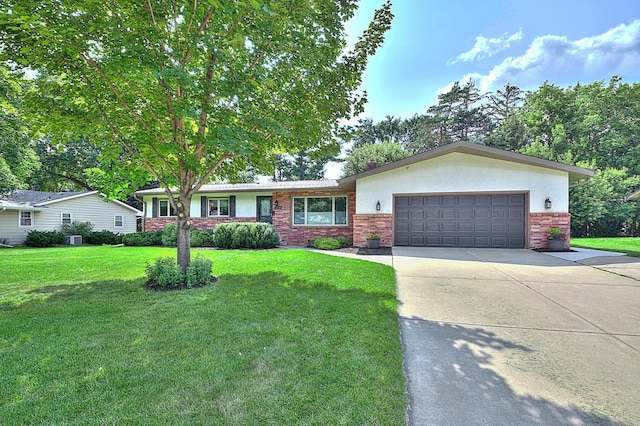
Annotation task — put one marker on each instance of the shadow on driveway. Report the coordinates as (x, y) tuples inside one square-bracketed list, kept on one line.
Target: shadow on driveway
[(457, 385)]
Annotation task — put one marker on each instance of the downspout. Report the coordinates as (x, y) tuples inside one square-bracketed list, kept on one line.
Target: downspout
[(144, 210)]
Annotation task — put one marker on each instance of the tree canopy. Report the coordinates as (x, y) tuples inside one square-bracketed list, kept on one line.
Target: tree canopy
[(188, 90)]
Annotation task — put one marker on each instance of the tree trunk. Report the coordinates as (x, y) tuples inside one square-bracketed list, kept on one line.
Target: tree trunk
[(184, 234)]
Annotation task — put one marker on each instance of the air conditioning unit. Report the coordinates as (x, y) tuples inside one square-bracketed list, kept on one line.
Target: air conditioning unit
[(73, 239)]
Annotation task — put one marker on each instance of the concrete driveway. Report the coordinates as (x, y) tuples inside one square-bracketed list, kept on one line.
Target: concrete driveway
[(516, 337)]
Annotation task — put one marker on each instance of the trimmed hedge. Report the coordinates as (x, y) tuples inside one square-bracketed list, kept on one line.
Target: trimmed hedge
[(44, 238), (165, 274), (329, 243), (103, 237), (143, 239), (252, 235)]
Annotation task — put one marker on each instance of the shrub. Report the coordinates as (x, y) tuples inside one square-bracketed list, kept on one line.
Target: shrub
[(170, 235), (78, 228), (245, 235), (44, 238), (165, 272), (327, 243), (343, 241), (103, 237), (143, 239), (199, 272), (202, 238)]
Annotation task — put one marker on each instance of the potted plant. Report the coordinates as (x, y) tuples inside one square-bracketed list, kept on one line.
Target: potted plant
[(373, 240), (555, 239)]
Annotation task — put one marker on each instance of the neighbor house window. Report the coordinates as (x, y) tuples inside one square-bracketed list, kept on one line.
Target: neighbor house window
[(320, 211), (66, 219), (166, 209), (26, 219), (218, 207), (118, 221)]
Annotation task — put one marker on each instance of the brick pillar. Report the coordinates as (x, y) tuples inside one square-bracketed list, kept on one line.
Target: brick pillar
[(540, 222), (366, 224)]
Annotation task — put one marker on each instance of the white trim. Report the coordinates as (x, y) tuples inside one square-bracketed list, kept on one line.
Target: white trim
[(31, 217), (209, 199), (333, 210), (115, 223), (71, 197), (62, 213)]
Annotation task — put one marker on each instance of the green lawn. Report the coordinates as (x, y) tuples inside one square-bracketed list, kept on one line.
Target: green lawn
[(631, 246), (285, 337)]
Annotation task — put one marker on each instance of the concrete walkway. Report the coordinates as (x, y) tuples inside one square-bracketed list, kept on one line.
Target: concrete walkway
[(516, 337)]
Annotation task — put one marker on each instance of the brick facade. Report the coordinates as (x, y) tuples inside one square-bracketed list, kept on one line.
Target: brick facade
[(540, 222), (366, 224), (300, 235)]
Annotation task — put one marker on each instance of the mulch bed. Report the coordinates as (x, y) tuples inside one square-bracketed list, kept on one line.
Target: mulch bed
[(382, 251)]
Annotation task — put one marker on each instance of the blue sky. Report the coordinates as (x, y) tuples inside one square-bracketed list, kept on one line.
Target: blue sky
[(433, 43)]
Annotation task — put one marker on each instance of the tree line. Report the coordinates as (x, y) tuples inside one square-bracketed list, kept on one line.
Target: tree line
[(594, 125)]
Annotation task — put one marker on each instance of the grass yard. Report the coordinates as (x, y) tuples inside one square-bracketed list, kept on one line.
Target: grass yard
[(628, 245), (285, 337)]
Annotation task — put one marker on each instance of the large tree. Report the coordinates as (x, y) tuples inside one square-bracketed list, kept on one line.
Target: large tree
[(17, 157), (192, 90)]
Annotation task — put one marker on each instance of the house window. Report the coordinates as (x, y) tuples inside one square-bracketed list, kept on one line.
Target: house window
[(218, 207), (66, 218), (320, 211), (118, 221), (166, 209), (26, 219)]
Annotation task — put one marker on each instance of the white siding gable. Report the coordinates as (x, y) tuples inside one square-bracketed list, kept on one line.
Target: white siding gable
[(464, 173)]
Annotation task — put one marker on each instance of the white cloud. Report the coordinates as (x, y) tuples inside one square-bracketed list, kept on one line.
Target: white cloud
[(562, 61), (487, 47)]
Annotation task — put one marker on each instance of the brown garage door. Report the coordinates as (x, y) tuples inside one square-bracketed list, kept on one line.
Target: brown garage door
[(492, 220)]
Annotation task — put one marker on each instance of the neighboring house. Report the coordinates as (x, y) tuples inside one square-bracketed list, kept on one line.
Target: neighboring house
[(458, 195), (23, 211)]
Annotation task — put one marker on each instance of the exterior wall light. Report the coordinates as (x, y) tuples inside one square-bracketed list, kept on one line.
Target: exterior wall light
[(547, 203), (378, 206), (275, 204)]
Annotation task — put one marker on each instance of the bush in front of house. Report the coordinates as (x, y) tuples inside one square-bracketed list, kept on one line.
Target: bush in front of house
[(143, 239), (201, 238), (78, 228), (326, 243), (170, 235), (165, 274), (252, 235), (103, 237), (44, 238)]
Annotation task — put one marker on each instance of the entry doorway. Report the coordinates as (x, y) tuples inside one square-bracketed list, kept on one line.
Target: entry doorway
[(264, 209)]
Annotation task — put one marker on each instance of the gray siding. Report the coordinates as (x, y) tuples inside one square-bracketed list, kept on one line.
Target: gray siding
[(87, 208)]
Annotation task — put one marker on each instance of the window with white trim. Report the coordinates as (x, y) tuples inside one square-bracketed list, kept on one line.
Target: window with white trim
[(166, 209), (26, 219), (218, 207), (66, 218), (118, 221), (319, 211)]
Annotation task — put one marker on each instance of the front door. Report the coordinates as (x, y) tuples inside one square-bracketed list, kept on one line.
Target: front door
[(263, 209)]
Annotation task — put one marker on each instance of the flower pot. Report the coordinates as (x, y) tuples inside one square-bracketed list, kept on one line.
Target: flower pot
[(373, 243), (555, 245)]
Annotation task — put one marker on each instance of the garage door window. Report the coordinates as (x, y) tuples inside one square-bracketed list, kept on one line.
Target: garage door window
[(320, 211)]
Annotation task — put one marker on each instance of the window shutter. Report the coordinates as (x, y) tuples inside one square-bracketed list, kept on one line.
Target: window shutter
[(203, 206), (154, 207), (232, 206)]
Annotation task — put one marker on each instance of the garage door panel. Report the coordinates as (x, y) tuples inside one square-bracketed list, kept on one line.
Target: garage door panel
[(487, 220)]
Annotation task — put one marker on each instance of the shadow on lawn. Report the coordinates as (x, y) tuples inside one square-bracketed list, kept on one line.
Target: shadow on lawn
[(451, 381)]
